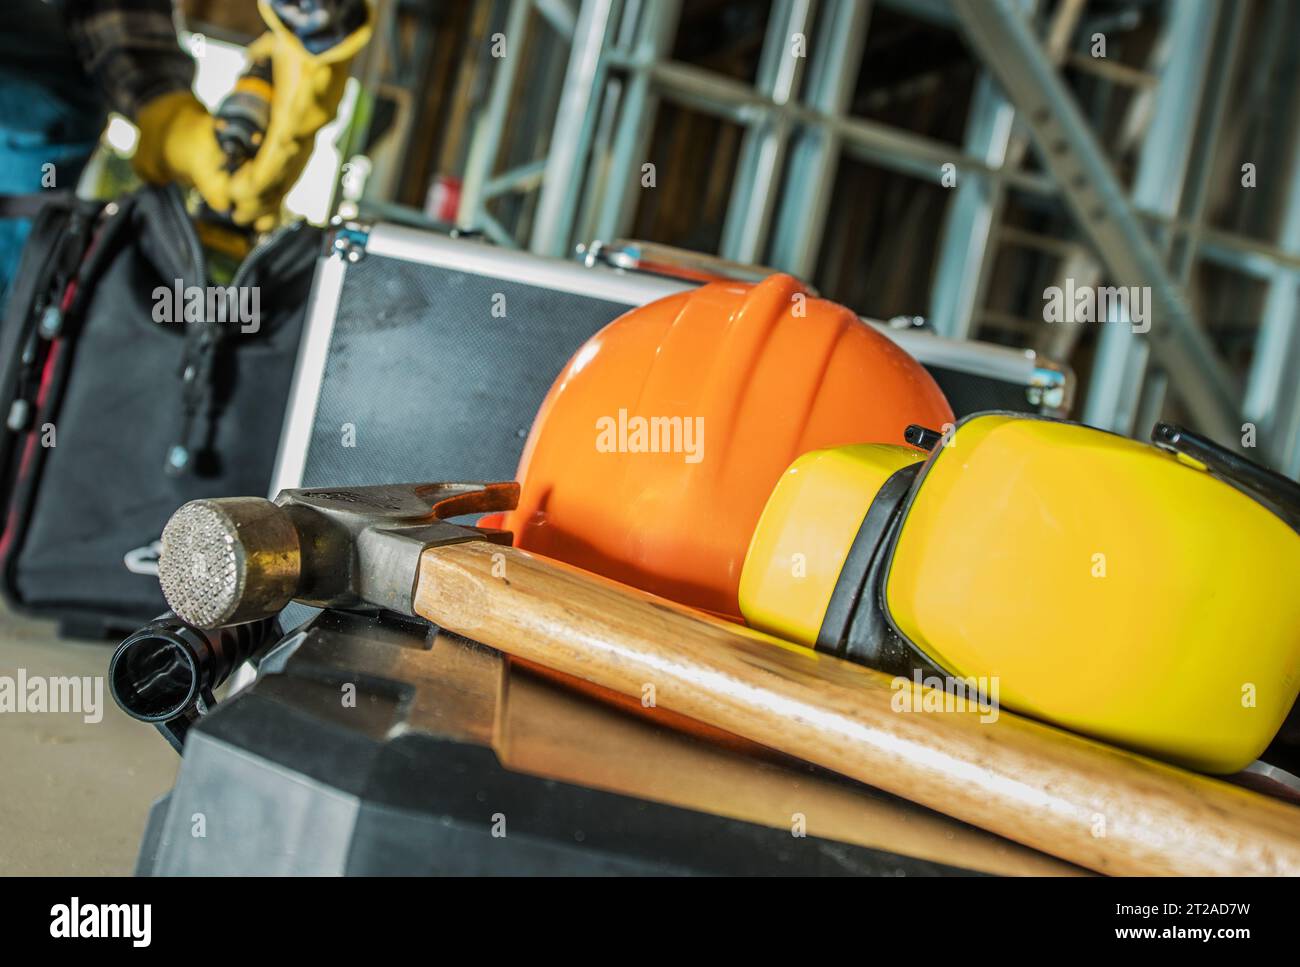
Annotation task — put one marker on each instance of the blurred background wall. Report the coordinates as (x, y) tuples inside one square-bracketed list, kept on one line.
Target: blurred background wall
[(878, 151)]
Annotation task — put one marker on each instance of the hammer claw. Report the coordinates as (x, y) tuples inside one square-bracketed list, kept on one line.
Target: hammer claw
[(483, 499)]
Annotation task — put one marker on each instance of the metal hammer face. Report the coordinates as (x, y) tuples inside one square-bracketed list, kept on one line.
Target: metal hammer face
[(230, 560)]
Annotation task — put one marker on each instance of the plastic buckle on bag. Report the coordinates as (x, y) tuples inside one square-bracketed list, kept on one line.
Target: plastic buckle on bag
[(20, 412), (51, 323)]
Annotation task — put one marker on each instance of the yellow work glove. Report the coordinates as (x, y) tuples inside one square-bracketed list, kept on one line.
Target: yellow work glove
[(305, 92), (178, 143)]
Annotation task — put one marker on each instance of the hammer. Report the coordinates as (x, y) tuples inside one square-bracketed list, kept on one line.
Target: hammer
[(241, 559)]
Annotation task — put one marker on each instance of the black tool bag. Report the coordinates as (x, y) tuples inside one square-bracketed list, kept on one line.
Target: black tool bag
[(119, 408)]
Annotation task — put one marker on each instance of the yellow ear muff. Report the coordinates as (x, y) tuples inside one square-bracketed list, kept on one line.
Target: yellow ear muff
[(1107, 585), (1103, 584)]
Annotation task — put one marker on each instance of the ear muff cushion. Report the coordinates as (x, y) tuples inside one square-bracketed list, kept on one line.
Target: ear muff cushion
[(804, 536)]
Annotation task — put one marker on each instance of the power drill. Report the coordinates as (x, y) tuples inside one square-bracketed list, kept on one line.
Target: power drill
[(244, 114), (240, 123)]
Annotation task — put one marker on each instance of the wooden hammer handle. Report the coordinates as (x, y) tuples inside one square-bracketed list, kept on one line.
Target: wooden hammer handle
[(1089, 803)]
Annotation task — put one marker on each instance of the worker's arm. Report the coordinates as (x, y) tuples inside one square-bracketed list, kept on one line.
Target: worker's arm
[(311, 46), (129, 48)]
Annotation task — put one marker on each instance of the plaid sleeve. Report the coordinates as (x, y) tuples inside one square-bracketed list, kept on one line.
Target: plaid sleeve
[(129, 48)]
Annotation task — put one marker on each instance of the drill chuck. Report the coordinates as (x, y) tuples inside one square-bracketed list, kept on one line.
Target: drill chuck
[(244, 114)]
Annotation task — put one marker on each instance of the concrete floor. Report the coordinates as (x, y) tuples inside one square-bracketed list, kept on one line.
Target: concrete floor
[(73, 796)]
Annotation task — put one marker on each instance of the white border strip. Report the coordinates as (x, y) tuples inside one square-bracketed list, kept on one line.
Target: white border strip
[(964, 355), (308, 373), (479, 258)]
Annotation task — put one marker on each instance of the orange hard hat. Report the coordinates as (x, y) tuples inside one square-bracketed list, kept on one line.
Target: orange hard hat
[(657, 447)]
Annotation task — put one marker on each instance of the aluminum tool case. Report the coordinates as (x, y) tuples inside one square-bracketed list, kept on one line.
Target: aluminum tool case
[(420, 343)]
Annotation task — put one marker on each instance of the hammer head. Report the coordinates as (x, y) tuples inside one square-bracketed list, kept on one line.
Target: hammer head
[(230, 560)]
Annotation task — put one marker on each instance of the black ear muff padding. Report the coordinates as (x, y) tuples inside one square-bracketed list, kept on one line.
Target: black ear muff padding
[(855, 626)]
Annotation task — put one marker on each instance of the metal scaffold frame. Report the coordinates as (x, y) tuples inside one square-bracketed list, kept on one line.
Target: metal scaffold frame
[(797, 124)]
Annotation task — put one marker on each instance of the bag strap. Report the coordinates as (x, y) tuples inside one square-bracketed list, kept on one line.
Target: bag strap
[(31, 205), (62, 230), (60, 235)]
